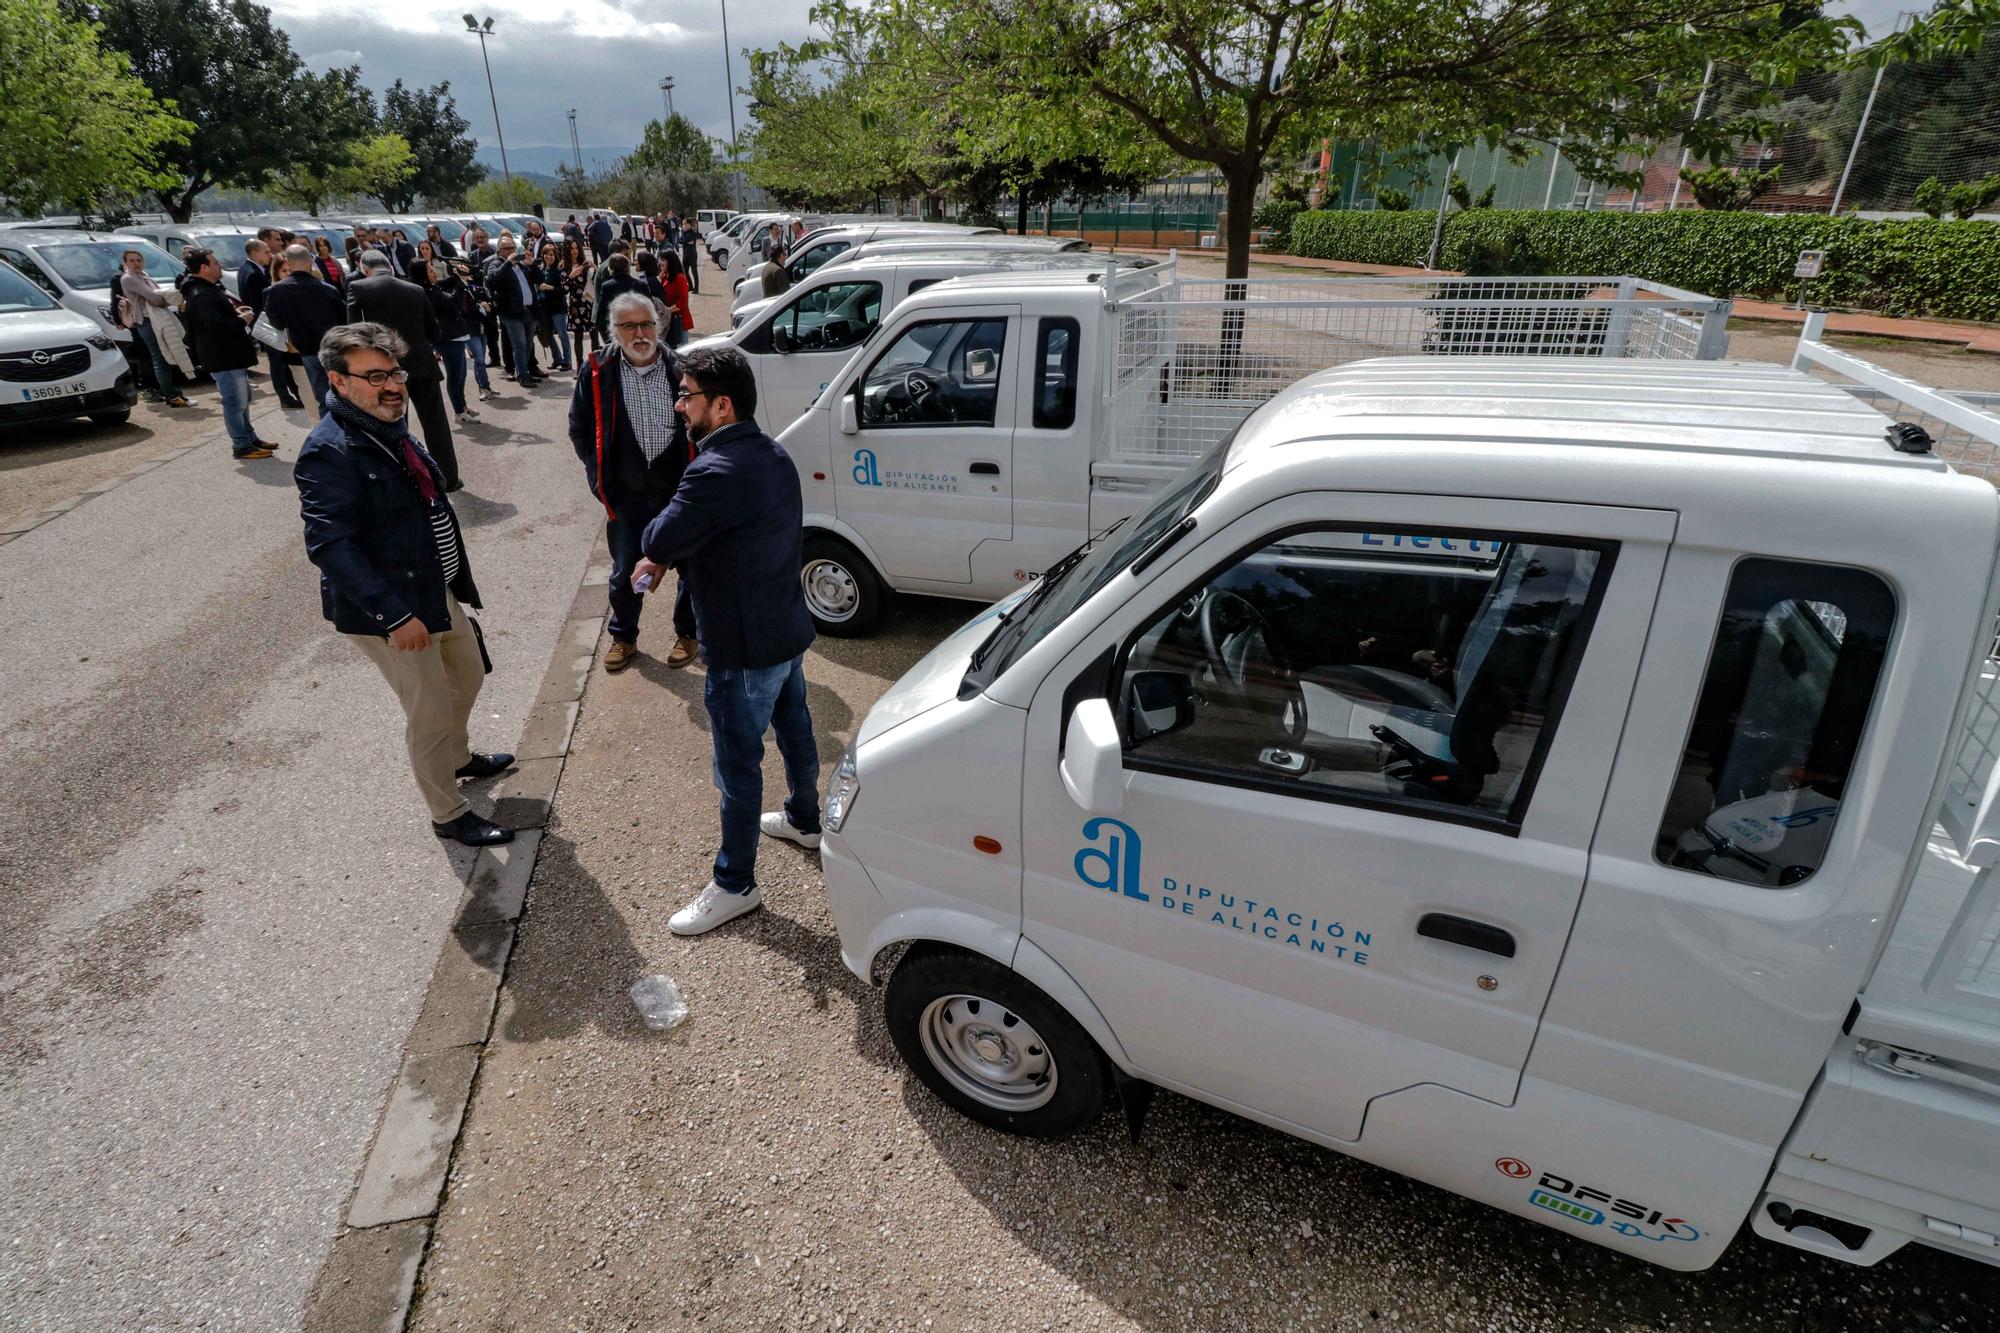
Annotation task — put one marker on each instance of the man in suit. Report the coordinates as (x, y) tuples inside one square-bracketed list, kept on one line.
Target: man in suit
[(253, 280), (395, 578), (514, 287), (399, 250), (734, 522), (306, 306), (221, 327), (384, 298), (599, 232)]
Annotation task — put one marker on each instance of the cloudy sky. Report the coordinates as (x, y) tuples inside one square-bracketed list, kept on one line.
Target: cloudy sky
[(603, 57)]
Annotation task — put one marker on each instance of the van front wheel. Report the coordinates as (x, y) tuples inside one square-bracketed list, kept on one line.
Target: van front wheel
[(990, 1043), (843, 594)]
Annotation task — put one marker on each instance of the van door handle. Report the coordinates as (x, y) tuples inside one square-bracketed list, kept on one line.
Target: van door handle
[(1471, 934), (985, 469)]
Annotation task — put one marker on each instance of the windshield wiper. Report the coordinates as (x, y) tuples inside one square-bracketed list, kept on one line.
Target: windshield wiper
[(1050, 577)]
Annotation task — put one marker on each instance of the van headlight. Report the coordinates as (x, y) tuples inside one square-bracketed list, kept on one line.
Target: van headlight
[(101, 343), (841, 790)]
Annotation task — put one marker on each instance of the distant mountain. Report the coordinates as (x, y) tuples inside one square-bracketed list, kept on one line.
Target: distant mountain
[(543, 161)]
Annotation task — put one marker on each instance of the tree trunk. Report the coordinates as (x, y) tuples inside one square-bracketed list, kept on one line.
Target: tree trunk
[(1240, 199), (1021, 214)]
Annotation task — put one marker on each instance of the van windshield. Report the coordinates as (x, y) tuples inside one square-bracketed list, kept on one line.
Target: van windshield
[(87, 265), (1076, 578), (18, 294)]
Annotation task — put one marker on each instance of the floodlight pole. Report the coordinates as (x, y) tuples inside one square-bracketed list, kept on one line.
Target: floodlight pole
[(735, 171), (499, 133), (667, 95), (1444, 197), (1854, 149), (575, 144), (1699, 102)]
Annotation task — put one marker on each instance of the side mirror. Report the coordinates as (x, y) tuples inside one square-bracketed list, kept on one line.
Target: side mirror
[(850, 415), (981, 365), (1092, 765), (1157, 702)]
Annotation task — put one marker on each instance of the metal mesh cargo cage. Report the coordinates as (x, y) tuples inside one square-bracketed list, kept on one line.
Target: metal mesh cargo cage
[(1192, 356)]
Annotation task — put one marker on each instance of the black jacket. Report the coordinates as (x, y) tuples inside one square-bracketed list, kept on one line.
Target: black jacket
[(505, 288), (403, 307), (402, 255), (610, 287), (305, 306), (251, 284), (222, 340), (735, 524), (368, 530), (600, 430), (457, 305), (600, 235)]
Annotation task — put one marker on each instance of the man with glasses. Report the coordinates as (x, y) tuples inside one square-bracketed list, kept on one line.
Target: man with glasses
[(634, 447), (735, 523), (394, 574), (514, 287)]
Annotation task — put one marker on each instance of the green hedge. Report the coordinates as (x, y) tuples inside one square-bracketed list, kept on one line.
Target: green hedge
[(1948, 269)]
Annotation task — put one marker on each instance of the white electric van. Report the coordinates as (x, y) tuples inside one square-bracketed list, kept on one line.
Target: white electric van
[(226, 239), (76, 268), (1566, 781), (997, 420), (56, 363), (821, 244), (834, 250), (799, 340)]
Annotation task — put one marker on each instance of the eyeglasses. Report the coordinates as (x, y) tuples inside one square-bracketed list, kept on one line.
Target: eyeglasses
[(692, 393), (377, 378), (631, 326)]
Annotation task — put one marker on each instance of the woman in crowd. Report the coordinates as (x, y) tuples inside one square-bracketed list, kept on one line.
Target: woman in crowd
[(573, 261), (140, 306), (452, 332), (553, 292), (354, 247), (618, 279), (648, 266), (426, 256), (329, 267), (440, 247), (680, 315)]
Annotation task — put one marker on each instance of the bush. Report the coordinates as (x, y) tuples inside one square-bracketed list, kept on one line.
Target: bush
[(1389, 199), (1910, 267), (1277, 216)]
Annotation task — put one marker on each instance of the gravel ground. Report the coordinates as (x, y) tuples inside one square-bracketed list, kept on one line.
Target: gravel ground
[(770, 1164)]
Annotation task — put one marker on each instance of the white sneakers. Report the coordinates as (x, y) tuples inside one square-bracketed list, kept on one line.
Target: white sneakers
[(775, 825), (713, 907)]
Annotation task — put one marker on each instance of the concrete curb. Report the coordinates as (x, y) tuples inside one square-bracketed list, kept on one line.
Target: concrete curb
[(22, 526), (369, 1281)]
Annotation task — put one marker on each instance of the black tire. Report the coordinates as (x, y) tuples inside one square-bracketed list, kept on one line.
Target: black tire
[(966, 989), (845, 596), (111, 418)]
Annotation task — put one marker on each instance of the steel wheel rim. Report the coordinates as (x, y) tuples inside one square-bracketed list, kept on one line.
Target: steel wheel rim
[(988, 1052), (831, 590)]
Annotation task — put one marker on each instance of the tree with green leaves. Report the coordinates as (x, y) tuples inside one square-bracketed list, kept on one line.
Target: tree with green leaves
[(572, 187), (491, 196), (1724, 190), (379, 166), (1220, 81), (233, 75), (442, 153), (75, 125)]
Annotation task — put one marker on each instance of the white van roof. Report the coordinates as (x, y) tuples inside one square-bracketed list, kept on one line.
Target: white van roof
[(1742, 408)]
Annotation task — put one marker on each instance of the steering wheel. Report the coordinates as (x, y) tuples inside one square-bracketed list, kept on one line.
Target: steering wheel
[(1237, 639), (925, 389)]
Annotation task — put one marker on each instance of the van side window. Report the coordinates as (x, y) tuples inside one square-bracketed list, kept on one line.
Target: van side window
[(828, 318), (940, 372), (1421, 671), (1055, 374), (31, 271), (1796, 659)]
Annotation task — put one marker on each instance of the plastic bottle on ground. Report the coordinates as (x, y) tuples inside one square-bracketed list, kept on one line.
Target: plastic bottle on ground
[(659, 1002)]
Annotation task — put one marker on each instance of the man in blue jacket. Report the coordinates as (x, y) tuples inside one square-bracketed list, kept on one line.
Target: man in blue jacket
[(734, 524), (252, 282), (394, 575)]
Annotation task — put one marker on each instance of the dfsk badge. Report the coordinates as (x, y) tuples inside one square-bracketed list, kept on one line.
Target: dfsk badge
[(1566, 1198)]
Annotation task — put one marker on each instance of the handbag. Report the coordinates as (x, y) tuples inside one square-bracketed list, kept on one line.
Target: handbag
[(273, 337)]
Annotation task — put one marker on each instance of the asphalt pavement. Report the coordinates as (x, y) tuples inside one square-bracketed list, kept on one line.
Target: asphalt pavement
[(222, 902)]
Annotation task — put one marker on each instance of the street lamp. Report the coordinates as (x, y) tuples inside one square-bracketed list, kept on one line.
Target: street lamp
[(667, 87), (735, 172), (474, 27)]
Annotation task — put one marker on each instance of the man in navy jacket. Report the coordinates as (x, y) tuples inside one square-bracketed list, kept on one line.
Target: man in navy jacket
[(252, 282), (634, 446), (394, 575), (734, 524)]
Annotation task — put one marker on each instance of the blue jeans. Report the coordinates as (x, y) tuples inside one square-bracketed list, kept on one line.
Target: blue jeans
[(454, 373), (475, 347), (622, 534), (235, 387), (163, 370), (559, 335), (520, 333), (316, 377), (742, 702)]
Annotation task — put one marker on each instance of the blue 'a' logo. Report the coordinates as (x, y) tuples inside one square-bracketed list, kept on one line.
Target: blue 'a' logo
[(1114, 866), (865, 472)]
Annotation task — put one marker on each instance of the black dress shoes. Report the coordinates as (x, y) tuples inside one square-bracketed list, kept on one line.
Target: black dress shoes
[(473, 831), (486, 765)]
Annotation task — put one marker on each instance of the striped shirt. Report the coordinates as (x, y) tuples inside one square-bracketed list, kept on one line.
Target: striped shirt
[(446, 533)]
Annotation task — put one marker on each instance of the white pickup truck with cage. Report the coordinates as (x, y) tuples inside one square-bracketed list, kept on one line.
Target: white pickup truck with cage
[(1570, 782), (993, 422)]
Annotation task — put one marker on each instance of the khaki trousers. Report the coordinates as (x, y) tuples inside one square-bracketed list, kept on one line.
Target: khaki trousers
[(436, 688)]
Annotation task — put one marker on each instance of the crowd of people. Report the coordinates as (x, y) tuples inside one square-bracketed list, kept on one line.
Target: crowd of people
[(528, 306)]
